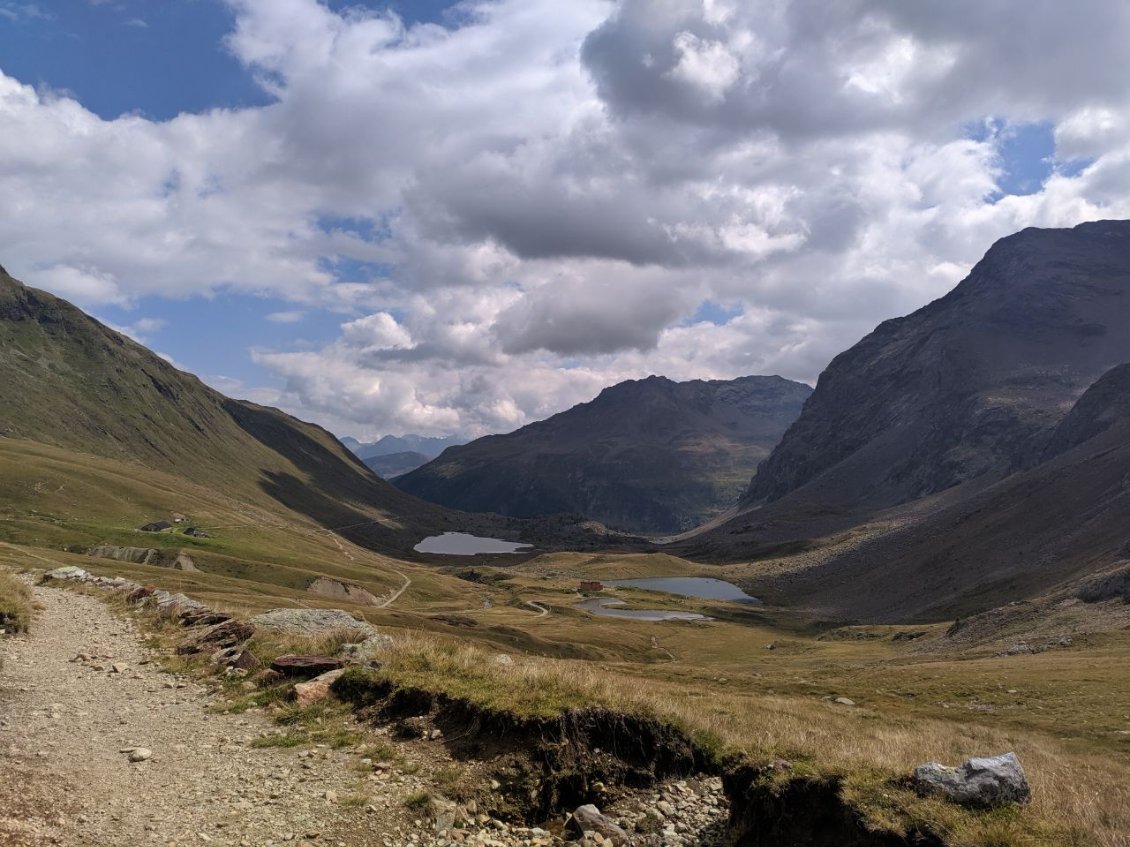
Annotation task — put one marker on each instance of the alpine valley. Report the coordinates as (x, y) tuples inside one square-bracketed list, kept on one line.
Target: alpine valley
[(928, 559)]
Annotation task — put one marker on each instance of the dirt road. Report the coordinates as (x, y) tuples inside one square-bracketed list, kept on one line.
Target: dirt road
[(64, 726)]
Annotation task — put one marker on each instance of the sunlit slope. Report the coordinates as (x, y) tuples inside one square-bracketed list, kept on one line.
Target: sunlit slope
[(67, 380)]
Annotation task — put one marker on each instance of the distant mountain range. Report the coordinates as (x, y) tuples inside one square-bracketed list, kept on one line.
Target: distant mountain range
[(978, 427), (646, 455), (428, 447)]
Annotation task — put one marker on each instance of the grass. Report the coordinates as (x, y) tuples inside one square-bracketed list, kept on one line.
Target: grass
[(1062, 712), (15, 604), (1079, 797), (285, 741), (419, 801)]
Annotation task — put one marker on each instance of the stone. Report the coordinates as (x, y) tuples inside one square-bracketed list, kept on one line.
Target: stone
[(230, 633), (981, 782), (69, 572), (844, 701), (312, 621), (292, 665), (306, 693), (140, 754), (267, 677), (588, 819), (203, 617), (119, 667)]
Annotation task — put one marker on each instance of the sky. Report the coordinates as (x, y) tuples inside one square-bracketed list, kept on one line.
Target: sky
[(460, 218)]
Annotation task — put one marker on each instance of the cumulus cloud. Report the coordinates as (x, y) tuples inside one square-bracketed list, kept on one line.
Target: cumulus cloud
[(512, 211)]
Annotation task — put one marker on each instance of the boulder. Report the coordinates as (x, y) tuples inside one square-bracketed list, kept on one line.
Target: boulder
[(229, 633), (140, 594), (305, 665), (589, 819), (203, 617), (173, 604), (69, 572), (312, 622), (306, 693), (983, 783)]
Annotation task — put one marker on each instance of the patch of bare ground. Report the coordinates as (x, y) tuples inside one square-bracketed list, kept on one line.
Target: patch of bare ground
[(68, 726)]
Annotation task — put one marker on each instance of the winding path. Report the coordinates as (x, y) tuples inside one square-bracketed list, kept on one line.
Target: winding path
[(65, 722)]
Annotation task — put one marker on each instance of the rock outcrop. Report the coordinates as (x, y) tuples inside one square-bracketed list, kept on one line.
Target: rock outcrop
[(312, 622)]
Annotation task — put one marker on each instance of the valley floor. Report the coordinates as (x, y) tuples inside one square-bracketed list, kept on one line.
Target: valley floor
[(64, 725)]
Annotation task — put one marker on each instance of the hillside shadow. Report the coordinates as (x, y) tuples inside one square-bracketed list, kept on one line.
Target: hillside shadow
[(332, 484)]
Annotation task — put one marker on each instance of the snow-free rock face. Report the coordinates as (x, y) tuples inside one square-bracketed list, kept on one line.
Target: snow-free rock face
[(982, 783), (972, 384), (649, 455), (311, 621)]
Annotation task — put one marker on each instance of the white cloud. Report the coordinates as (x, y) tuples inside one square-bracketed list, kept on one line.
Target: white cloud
[(536, 201)]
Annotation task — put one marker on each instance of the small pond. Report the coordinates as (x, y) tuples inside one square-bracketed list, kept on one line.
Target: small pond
[(463, 544), (690, 586), (605, 608)]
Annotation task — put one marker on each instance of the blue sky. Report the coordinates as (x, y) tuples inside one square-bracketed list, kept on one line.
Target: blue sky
[(160, 59), (464, 228)]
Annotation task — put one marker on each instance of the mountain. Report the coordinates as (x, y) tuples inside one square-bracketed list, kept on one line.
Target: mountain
[(971, 453), (389, 445), (67, 380), (1034, 532), (396, 464), (646, 455), (970, 386)]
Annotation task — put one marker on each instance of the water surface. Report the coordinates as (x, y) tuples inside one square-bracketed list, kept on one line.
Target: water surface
[(690, 586), (604, 608), (464, 544)]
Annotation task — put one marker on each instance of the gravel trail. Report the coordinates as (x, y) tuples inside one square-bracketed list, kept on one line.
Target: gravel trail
[(65, 727)]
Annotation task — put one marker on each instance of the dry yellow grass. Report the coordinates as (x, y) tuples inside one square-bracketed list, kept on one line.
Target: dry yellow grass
[(15, 604), (1080, 798)]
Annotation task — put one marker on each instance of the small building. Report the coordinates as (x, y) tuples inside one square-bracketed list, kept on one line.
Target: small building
[(157, 526), (196, 533), (591, 585)]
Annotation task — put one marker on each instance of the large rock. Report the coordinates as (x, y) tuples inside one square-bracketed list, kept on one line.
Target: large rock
[(982, 783), (306, 693), (305, 665), (70, 572), (225, 635), (312, 621), (169, 604), (589, 819)]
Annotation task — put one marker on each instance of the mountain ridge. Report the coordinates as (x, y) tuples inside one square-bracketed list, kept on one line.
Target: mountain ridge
[(650, 455), (974, 382)]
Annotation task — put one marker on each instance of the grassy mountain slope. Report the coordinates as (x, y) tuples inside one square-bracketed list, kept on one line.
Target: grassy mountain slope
[(645, 456), (67, 380)]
